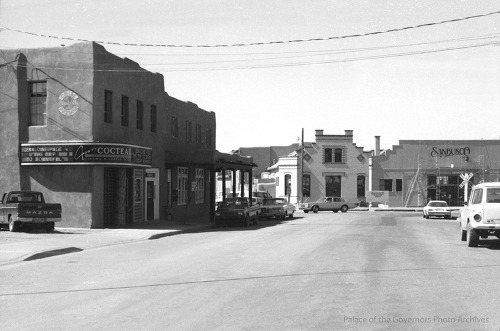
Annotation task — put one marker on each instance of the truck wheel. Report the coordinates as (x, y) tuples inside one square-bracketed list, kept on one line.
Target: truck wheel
[(335, 210), (472, 236), (290, 216), (13, 225), (344, 209), (247, 221), (464, 235), (315, 209), (306, 211), (49, 227)]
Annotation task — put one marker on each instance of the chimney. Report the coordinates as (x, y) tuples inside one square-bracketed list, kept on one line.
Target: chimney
[(377, 145), (349, 132), (319, 132)]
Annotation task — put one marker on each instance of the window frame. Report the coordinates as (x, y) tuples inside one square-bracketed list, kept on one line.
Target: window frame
[(125, 116), (140, 115), (334, 155), (174, 127), (108, 106), (38, 110), (189, 131), (153, 115)]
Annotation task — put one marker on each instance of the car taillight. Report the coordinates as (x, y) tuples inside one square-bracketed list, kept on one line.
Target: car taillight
[(477, 218)]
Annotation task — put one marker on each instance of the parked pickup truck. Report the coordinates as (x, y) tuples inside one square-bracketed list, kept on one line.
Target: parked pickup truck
[(480, 217), (237, 211), (18, 207), (329, 204)]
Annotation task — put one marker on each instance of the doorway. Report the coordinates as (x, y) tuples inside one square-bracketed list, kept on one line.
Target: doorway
[(152, 194), (333, 186)]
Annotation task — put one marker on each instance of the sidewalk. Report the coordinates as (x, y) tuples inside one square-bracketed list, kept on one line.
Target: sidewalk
[(26, 246)]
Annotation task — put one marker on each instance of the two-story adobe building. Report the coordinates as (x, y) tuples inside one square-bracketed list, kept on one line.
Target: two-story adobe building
[(100, 135)]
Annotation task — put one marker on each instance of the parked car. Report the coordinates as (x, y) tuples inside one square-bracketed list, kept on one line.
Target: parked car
[(437, 208), (277, 207), (480, 217), (19, 207), (237, 211), (328, 204)]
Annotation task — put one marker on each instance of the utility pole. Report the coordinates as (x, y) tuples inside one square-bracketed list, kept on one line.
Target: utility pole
[(302, 167)]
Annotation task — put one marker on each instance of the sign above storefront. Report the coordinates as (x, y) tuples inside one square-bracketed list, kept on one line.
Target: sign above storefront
[(86, 154), (448, 151)]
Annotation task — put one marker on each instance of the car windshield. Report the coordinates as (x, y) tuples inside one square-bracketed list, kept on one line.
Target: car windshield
[(438, 204), (270, 202)]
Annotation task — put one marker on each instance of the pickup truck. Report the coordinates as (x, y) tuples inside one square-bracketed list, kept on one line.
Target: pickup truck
[(329, 204), (18, 207), (237, 211), (480, 217)]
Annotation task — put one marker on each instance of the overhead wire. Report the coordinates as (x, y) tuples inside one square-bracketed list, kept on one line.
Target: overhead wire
[(289, 64), (260, 43)]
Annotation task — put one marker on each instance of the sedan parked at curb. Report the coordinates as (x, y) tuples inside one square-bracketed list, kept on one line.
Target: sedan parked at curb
[(437, 208), (277, 207)]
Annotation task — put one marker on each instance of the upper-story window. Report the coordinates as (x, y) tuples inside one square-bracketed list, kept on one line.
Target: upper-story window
[(189, 131), (175, 127), (197, 133), (108, 106), (334, 155), (38, 103), (208, 138), (153, 118), (140, 115), (125, 111)]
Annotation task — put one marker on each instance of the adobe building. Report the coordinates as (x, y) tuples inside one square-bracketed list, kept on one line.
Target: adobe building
[(99, 134), (416, 171)]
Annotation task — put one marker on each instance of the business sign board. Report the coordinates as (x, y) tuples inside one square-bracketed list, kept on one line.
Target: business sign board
[(86, 154), (377, 196)]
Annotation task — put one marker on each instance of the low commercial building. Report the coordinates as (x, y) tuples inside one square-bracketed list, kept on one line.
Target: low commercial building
[(416, 171), (99, 134)]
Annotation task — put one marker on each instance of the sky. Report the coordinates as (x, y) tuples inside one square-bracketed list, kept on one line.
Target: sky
[(439, 81)]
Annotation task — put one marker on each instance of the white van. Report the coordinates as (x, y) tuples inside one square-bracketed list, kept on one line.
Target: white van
[(480, 217)]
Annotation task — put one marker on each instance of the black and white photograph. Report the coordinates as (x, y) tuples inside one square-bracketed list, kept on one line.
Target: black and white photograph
[(249, 165)]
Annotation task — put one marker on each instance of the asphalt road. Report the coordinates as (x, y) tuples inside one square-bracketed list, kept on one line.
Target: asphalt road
[(325, 271)]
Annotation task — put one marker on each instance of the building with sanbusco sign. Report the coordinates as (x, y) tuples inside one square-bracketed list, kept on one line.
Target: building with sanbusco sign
[(416, 171), (99, 134)]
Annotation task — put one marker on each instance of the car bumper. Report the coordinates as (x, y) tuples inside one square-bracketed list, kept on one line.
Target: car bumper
[(439, 213), (37, 219)]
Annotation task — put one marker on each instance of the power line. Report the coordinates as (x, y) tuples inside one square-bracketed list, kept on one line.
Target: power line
[(278, 65), (261, 43)]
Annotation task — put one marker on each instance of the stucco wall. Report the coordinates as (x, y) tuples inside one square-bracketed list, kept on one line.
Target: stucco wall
[(349, 170)]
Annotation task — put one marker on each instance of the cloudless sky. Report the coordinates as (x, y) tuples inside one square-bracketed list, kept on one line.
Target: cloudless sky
[(436, 82)]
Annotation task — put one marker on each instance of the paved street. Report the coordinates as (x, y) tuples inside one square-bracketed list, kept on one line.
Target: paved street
[(325, 271)]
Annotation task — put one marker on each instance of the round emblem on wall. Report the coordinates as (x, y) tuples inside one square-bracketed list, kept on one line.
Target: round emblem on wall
[(68, 103)]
